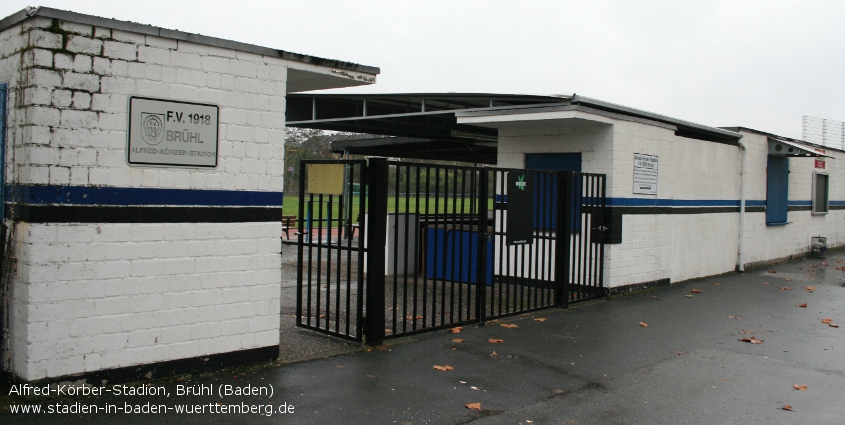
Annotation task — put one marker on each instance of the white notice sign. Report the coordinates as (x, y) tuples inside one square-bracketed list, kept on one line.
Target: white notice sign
[(645, 174), (172, 133)]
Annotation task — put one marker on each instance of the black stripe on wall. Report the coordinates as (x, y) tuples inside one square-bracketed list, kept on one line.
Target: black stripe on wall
[(138, 214)]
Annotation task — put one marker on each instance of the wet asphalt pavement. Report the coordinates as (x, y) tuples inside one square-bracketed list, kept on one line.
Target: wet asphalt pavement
[(594, 363)]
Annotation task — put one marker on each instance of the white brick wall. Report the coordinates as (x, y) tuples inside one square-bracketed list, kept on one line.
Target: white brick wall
[(764, 243), (87, 297), (67, 94), (683, 246), (113, 295)]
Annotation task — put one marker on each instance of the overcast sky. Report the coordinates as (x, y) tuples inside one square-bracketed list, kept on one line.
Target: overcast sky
[(761, 64)]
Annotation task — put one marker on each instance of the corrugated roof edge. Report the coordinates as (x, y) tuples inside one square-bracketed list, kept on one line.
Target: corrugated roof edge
[(80, 18), (720, 131), (751, 130)]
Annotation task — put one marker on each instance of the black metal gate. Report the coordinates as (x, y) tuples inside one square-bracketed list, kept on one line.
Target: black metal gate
[(330, 256), (431, 250)]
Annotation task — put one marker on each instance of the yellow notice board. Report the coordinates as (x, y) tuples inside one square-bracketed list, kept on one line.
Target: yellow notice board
[(326, 179)]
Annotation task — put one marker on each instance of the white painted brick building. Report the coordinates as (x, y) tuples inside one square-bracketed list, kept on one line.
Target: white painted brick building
[(112, 265), (691, 226)]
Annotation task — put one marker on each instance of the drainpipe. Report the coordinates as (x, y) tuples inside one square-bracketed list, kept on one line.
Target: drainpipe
[(740, 266)]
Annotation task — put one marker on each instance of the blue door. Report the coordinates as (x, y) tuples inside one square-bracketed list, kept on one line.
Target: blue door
[(777, 191)]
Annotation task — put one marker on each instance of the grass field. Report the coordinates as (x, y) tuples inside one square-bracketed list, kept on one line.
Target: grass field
[(405, 204)]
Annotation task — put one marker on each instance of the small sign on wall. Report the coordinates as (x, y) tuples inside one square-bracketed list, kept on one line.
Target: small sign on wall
[(170, 133), (520, 208), (325, 179), (820, 163), (645, 174)]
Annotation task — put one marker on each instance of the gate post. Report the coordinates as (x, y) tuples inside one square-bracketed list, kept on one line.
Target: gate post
[(376, 226), (563, 246), (483, 237)]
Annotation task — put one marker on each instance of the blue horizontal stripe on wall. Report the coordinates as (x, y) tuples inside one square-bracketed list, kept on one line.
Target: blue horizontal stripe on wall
[(652, 202), (122, 196)]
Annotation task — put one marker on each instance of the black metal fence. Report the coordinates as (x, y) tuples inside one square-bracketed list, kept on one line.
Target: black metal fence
[(431, 251)]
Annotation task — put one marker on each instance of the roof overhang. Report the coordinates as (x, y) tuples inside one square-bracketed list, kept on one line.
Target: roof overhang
[(780, 147), (305, 72)]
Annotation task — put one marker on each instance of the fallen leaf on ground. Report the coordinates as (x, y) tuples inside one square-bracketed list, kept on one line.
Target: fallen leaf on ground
[(456, 330), (786, 279), (772, 271), (753, 340), (810, 288), (474, 388), (787, 407), (473, 406), (801, 305), (735, 317), (508, 325), (540, 319), (825, 264), (458, 340), (495, 341), (765, 283), (443, 368), (644, 324), (827, 320), (786, 288), (715, 284), (689, 295), (833, 325), (800, 387), (494, 354), (695, 291), (339, 367), (747, 332)]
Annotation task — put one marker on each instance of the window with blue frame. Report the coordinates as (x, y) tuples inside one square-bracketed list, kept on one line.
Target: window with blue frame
[(545, 187), (777, 190)]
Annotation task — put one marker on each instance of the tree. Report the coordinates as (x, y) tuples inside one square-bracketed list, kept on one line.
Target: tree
[(309, 143)]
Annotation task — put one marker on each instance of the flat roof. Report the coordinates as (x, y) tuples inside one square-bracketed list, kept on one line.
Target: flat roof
[(48, 12)]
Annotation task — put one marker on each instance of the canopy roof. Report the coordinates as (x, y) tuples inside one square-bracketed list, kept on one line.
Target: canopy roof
[(428, 125)]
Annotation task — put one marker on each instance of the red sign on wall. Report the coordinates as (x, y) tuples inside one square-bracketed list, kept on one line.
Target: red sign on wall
[(820, 163)]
